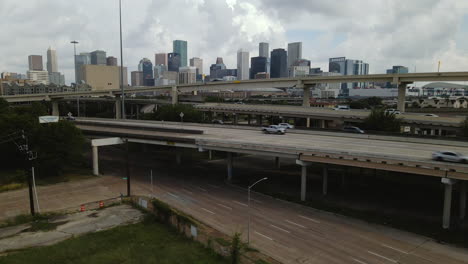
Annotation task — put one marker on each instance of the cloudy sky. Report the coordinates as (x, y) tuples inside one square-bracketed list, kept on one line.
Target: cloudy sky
[(414, 33)]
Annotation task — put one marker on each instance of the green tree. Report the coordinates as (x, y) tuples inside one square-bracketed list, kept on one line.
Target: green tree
[(236, 248), (172, 113), (379, 120)]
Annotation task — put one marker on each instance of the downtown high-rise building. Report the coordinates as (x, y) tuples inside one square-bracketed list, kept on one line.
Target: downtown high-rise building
[(173, 62), (263, 50), (180, 47), (198, 64), (98, 57), (279, 63), (136, 78), (160, 59), (294, 52), (345, 66), (52, 60), (111, 61), (258, 65), (80, 60), (242, 65), (146, 67), (187, 75), (35, 63)]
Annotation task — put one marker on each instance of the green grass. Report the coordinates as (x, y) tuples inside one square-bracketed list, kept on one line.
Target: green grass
[(146, 242)]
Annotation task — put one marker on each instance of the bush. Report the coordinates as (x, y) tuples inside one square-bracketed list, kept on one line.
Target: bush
[(172, 113), (379, 120)]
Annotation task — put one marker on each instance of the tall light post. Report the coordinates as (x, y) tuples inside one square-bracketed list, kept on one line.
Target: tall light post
[(121, 62), (248, 207), (74, 42)]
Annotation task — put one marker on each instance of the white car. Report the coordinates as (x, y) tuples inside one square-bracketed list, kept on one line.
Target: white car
[(449, 156), (342, 107), (431, 115), (286, 125), (392, 111), (273, 129)]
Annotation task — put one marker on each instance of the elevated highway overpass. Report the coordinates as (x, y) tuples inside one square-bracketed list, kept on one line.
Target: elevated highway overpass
[(305, 83), (309, 149)]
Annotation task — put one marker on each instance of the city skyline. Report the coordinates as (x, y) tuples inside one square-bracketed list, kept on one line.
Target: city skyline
[(426, 38)]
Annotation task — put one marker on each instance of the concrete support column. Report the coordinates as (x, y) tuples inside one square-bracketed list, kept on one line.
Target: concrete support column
[(304, 166), (235, 119), (306, 97), (277, 163), (325, 181), (248, 119), (401, 97), (210, 155), (174, 95), (55, 108), (462, 200), (259, 120), (95, 161), (447, 202), (433, 132), (118, 109), (308, 122), (322, 124), (229, 166)]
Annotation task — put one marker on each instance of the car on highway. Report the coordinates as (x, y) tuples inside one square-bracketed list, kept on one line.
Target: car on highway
[(217, 121), (342, 107), (274, 129), (286, 125), (449, 156), (392, 111), (353, 129), (431, 115)]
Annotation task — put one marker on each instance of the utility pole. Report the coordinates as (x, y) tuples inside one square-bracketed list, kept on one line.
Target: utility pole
[(121, 62), (74, 42)]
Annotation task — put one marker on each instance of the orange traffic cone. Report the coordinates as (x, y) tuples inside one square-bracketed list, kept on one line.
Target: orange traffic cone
[(82, 208), (101, 204)]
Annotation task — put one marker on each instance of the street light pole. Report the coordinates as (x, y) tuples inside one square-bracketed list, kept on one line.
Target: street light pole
[(121, 62), (248, 207), (74, 42)]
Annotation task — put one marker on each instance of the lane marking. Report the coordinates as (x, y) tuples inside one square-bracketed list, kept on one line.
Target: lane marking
[(173, 195), (296, 224), (243, 204), (380, 256), (207, 210), (396, 249), (279, 228), (263, 236), (310, 219), (222, 205), (214, 186), (358, 261), (201, 188)]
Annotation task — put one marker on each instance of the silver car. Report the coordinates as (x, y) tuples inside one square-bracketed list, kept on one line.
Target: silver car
[(449, 156), (286, 125)]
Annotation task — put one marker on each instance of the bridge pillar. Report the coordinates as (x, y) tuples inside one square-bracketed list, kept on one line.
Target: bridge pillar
[(308, 122), (229, 166), (325, 180), (259, 120), (95, 160), (55, 108), (304, 166), (210, 154), (447, 202), (277, 163), (306, 97), (401, 97), (118, 108), (462, 200), (248, 119), (235, 119), (174, 95)]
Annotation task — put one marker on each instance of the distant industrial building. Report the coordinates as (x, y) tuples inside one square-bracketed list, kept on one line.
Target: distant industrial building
[(98, 57), (103, 77), (180, 47), (294, 52), (345, 66), (279, 63), (111, 61), (242, 65), (35, 63), (136, 78), (173, 62), (52, 60), (39, 77)]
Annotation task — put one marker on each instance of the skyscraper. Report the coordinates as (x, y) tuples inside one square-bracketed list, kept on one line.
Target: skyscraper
[(263, 50), (257, 65), (242, 65), (136, 78), (219, 60), (345, 66), (146, 67), (187, 75), (160, 59), (98, 57), (83, 59), (51, 60), (35, 63), (294, 52), (111, 61), (197, 63), (180, 47), (279, 63), (173, 62)]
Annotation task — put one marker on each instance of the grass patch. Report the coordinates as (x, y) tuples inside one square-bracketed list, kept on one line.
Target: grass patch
[(38, 222), (146, 242), (11, 187)]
